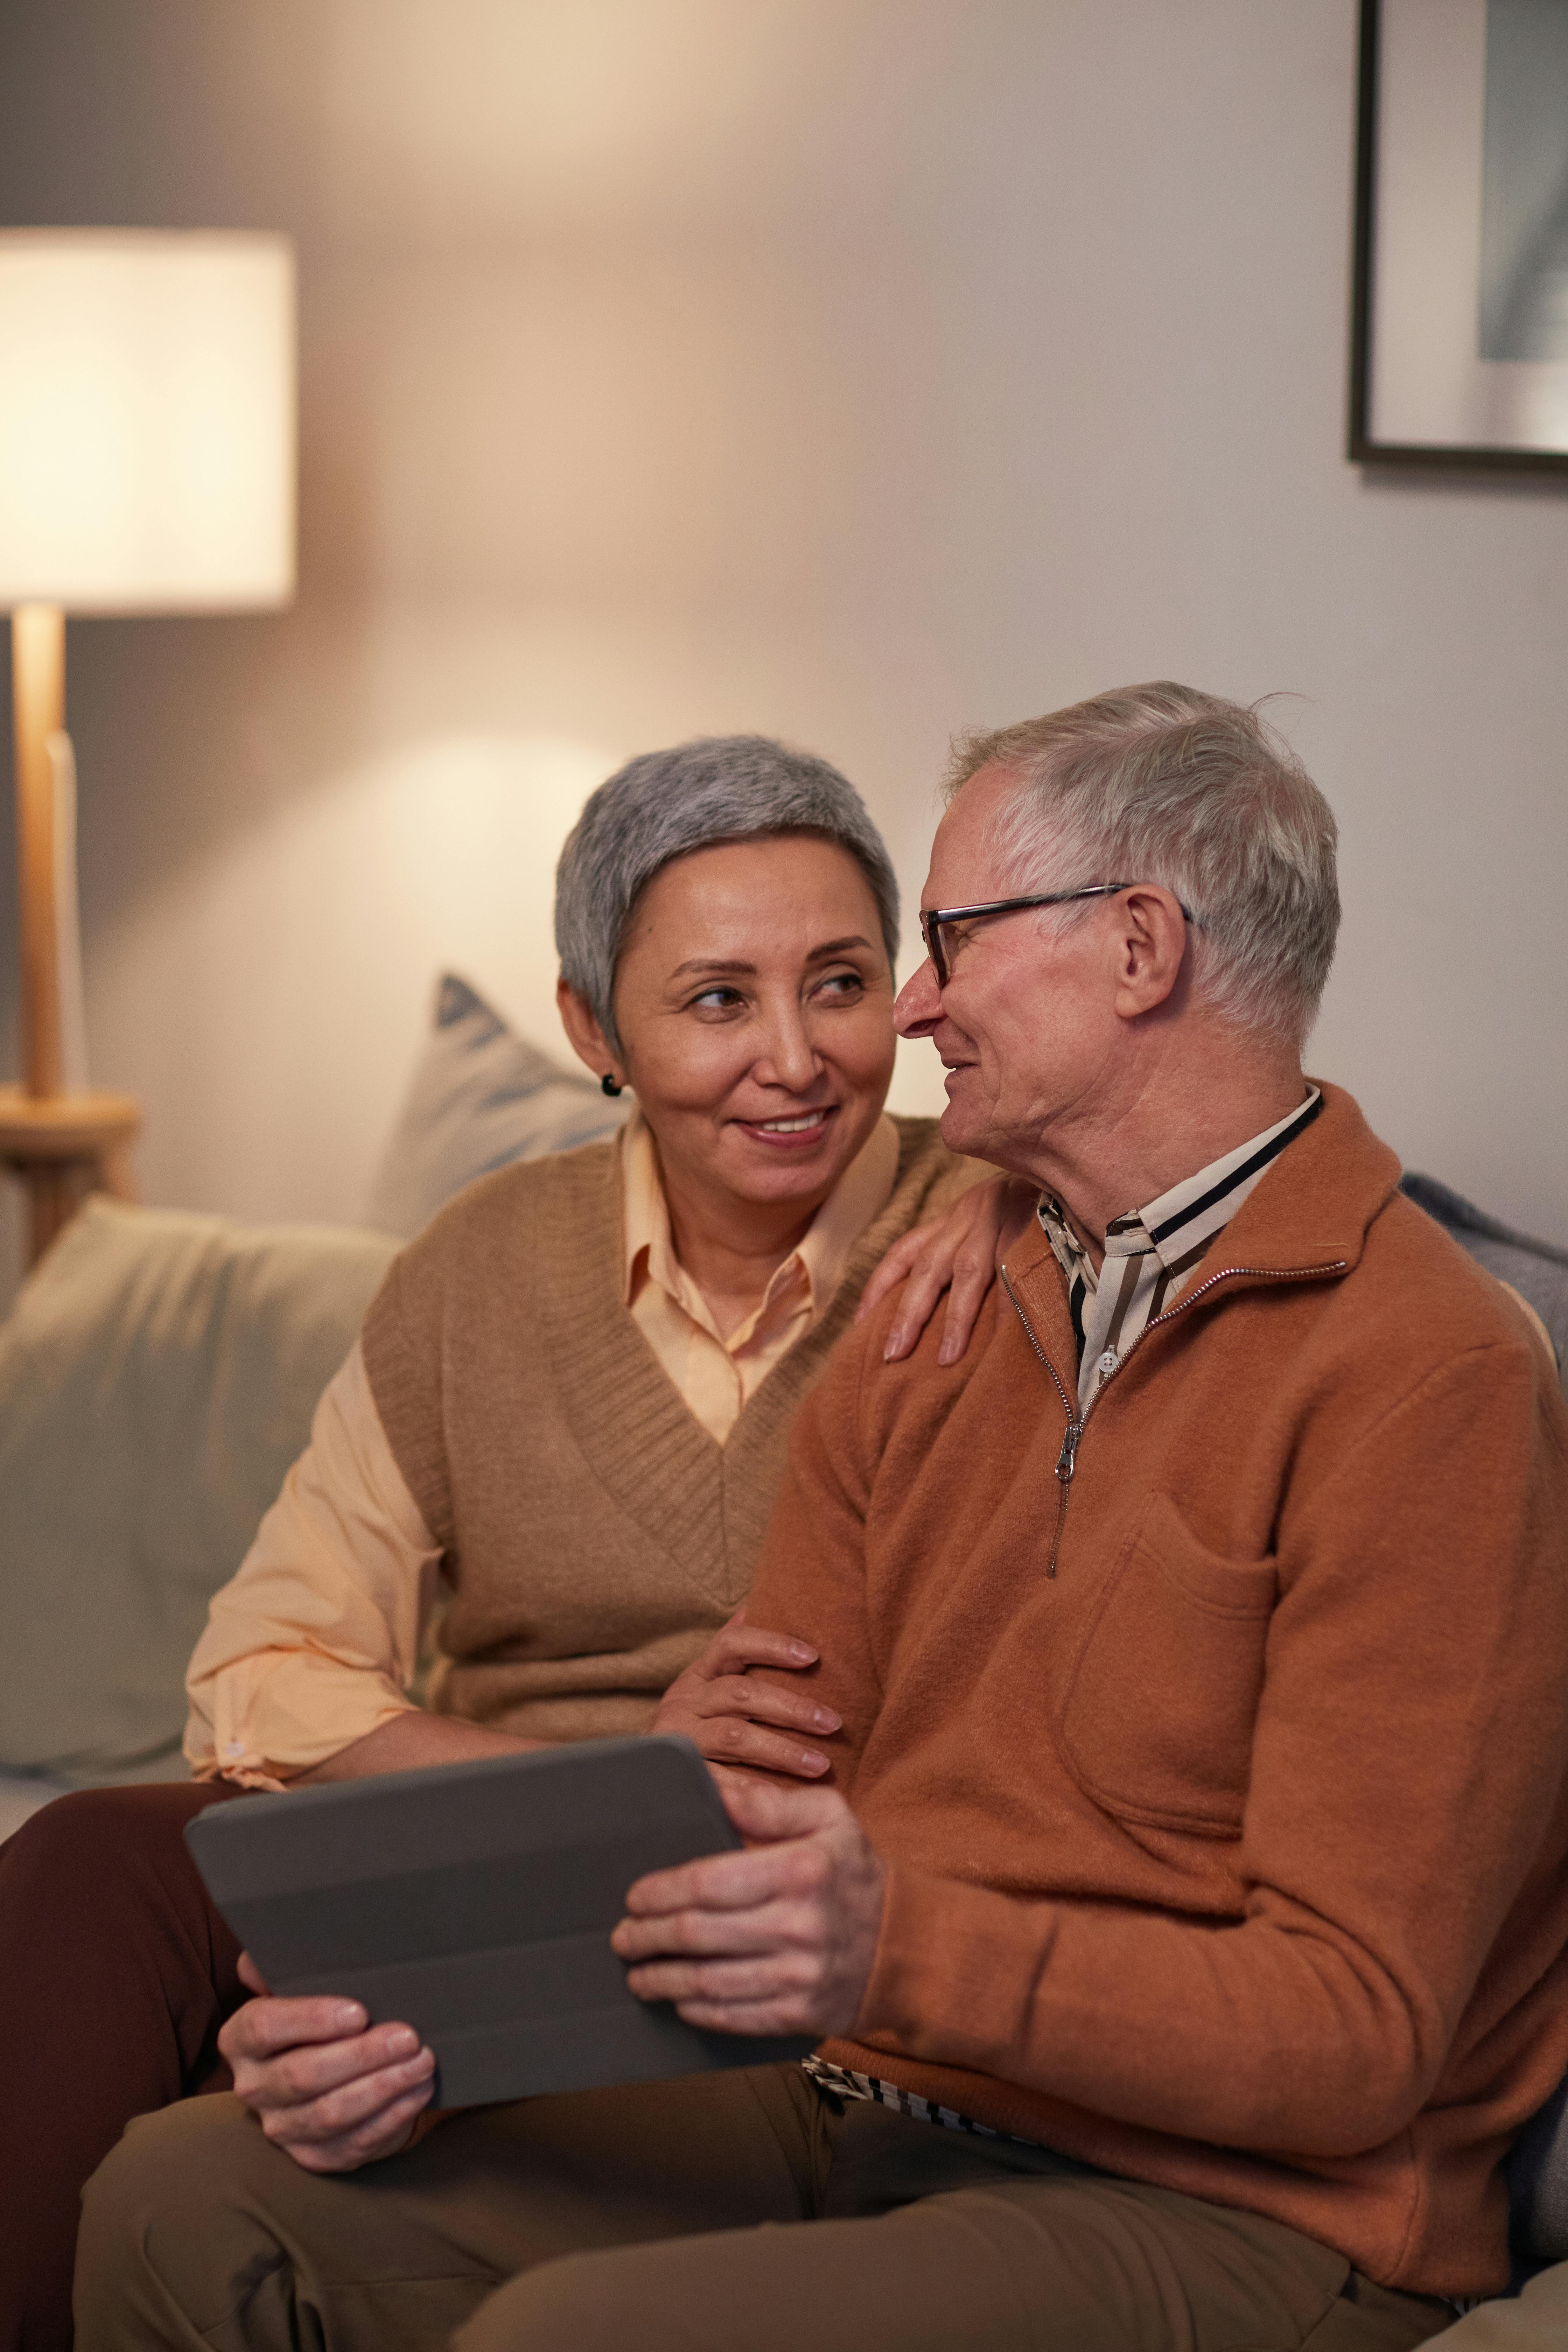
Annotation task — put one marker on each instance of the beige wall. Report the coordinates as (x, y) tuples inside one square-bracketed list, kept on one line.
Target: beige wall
[(848, 369)]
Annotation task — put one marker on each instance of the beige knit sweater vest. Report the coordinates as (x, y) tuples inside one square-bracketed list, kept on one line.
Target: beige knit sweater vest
[(595, 1533)]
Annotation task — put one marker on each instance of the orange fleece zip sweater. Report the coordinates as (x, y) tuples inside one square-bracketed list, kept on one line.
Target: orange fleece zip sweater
[(1224, 1785)]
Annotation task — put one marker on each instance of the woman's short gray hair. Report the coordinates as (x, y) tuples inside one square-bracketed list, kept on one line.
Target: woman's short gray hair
[(1163, 784), (666, 804)]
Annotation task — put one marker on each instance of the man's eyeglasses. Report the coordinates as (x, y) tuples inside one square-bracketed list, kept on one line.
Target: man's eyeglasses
[(935, 920)]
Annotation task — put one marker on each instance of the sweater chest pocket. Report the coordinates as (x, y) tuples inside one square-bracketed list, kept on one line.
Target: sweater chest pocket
[(1156, 1722)]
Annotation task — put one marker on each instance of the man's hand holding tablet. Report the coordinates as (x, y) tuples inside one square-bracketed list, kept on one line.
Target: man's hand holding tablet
[(777, 1939), (334, 2090)]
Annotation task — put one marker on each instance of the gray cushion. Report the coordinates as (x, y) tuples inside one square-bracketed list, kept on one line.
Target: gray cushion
[(481, 1097), (1537, 1270), (1537, 2182), (1538, 2168), (157, 1375)]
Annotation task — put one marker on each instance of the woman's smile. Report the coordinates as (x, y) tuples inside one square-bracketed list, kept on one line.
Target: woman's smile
[(798, 1131)]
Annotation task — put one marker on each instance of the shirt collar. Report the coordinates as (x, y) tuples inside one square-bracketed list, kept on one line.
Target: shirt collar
[(819, 1261), (1179, 1224)]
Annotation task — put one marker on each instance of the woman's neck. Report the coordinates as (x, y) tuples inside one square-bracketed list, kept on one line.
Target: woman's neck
[(731, 1248)]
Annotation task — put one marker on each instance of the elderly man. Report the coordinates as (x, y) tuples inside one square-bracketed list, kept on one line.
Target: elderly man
[(1188, 1908)]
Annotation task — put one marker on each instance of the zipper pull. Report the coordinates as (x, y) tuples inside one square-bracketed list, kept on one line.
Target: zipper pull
[(1069, 1453)]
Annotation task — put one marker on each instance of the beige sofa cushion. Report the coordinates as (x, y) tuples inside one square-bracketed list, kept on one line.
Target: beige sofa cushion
[(157, 1376)]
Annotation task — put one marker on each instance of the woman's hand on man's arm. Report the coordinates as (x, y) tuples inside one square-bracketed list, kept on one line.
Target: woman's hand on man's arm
[(730, 1718), (958, 1252), (734, 1719)]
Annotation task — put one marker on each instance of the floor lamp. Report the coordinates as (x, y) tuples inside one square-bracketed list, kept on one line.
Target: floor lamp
[(146, 466)]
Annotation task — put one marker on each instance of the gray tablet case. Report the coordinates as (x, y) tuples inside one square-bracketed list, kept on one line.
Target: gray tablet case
[(474, 1903)]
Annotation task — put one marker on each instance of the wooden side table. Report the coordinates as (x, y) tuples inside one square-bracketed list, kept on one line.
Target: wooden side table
[(63, 1146)]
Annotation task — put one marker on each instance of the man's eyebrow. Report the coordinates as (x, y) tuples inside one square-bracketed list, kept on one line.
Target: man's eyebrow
[(735, 963)]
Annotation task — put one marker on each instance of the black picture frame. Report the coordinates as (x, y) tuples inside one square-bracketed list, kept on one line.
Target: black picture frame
[(1362, 448)]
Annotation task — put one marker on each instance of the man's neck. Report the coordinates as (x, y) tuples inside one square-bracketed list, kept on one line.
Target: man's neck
[(1161, 1134)]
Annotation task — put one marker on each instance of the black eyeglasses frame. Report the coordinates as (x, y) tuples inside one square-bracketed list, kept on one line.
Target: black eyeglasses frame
[(933, 917)]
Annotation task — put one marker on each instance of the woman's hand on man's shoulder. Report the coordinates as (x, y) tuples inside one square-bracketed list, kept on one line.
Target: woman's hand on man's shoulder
[(957, 1252)]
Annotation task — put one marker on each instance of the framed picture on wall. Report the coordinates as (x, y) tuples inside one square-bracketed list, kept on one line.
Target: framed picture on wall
[(1460, 342)]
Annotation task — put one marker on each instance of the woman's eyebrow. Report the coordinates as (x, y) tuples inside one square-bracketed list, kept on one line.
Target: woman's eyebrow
[(711, 963), (734, 963)]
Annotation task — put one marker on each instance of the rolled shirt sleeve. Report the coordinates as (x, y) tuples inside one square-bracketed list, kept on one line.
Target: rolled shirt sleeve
[(314, 1641)]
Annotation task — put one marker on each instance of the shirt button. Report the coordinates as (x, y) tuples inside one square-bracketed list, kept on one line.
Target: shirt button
[(235, 1748), (1107, 1363)]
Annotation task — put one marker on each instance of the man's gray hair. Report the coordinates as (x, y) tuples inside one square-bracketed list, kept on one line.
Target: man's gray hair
[(666, 804), (1163, 784)]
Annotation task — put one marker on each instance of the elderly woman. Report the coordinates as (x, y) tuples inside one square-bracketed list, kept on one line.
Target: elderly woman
[(564, 1419)]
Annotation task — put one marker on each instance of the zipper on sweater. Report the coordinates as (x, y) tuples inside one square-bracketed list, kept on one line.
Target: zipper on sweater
[(1067, 1459), (1070, 1435)]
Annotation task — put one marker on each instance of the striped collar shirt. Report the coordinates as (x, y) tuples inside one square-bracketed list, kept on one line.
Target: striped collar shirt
[(1150, 1252)]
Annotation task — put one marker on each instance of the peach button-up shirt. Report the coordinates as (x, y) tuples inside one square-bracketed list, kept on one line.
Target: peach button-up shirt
[(314, 1641)]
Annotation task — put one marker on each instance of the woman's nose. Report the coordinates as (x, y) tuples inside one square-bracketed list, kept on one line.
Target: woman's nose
[(789, 1057), (918, 1008)]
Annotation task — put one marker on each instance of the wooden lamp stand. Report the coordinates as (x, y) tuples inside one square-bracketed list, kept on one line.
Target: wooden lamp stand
[(61, 1144)]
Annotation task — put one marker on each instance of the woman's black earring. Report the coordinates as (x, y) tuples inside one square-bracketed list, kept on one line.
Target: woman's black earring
[(609, 1084)]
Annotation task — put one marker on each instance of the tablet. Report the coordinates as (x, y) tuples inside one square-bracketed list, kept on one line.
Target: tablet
[(474, 1902)]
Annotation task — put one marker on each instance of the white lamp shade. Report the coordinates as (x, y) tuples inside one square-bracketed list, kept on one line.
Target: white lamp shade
[(146, 420)]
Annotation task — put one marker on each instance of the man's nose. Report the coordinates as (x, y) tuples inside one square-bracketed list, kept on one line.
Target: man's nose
[(918, 1008)]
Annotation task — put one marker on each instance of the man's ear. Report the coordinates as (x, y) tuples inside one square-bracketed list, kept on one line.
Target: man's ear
[(588, 1041), (1151, 950)]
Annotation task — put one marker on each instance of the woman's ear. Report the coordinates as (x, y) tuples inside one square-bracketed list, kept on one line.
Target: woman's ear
[(589, 1042)]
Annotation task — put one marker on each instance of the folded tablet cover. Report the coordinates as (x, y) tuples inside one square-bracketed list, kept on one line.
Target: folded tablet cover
[(474, 1903)]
